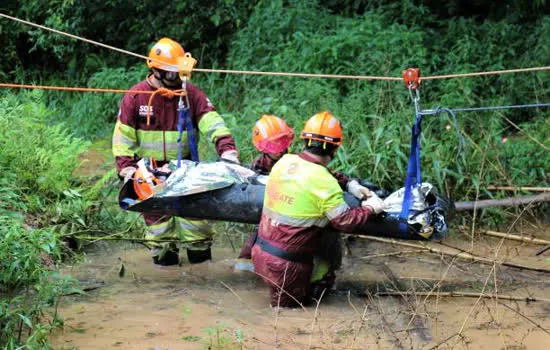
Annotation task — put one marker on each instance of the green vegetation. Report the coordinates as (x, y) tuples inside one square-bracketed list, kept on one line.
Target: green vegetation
[(222, 337), (36, 161), (42, 205), (44, 201)]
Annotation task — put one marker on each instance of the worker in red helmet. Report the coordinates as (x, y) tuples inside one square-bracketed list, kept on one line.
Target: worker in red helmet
[(302, 199), (148, 129), (272, 137)]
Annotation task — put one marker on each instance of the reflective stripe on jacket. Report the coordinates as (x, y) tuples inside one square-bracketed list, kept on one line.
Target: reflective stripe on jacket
[(132, 136), (301, 198)]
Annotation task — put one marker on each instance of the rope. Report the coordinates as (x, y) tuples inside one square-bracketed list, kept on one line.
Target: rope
[(226, 71), (490, 108), (66, 88), (457, 128), (281, 74), (493, 108), (74, 36), (165, 93), (301, 75)]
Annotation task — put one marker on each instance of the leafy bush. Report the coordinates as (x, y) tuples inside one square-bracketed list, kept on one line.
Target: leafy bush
[(27, 285), (377, 115), (93, 115), (41, 153), (37, 159)]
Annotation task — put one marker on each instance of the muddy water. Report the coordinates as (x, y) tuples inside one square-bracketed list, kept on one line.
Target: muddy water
[(209, 306)]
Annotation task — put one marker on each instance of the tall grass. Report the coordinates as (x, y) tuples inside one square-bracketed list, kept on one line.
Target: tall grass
[(377, 115), (92, 115), (42, 202)]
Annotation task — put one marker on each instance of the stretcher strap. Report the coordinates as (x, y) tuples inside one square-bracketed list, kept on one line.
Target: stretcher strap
[(414, 177), (185, 123)]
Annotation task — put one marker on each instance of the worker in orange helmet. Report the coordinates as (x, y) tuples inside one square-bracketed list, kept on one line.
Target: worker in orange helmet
[(150, 130), (302, 198), (272, 136)]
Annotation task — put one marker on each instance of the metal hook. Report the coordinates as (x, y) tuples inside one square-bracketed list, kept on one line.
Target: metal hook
[(415, 98)]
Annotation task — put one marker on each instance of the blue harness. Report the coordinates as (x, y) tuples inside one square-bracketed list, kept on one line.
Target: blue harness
[(186, 123), (414, 177)]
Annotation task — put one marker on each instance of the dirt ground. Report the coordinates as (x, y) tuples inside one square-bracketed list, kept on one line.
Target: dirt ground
[(210, 306)]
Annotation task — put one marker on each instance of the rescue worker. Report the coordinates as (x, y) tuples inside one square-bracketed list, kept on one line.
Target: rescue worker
[(272, 137), (150, 130), (302, 198)]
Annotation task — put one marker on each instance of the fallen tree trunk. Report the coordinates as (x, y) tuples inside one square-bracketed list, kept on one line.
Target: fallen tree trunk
[(518, 188), (458, 255), (486, 203), (516, 237)]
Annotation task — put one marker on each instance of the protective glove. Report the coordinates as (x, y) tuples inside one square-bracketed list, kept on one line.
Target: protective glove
[(375, 203), (127, 173), (231, 156), (358, 191)]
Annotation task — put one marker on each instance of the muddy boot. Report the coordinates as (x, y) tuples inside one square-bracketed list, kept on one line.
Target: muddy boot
[(325, 285), (169, 258), (198, 256)]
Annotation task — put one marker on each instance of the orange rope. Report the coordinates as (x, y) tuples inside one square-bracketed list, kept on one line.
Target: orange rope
[(163, 92), (160, 91), (301, 75)]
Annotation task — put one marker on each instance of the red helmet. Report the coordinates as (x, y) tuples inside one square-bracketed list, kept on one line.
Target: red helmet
[(272, 135)]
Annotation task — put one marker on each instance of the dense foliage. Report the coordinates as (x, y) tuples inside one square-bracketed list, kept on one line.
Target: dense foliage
[(36, 162), (43, 201), (42, 204)]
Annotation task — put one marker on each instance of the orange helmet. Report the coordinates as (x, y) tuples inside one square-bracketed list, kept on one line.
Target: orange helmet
[(144, 184), (164, 55), (323, 127), (144, 180), (272, 135)]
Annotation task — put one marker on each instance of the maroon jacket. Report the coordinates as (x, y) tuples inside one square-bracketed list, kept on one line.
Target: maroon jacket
[(164, 116), (264, 163), (295, 276), (304, 239)]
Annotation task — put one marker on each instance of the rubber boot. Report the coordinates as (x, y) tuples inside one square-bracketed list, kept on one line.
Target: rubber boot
[(198, 256), (325, 285), (169, 258)]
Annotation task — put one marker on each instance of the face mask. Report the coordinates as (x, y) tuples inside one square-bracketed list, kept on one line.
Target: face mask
[(169, 78)]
